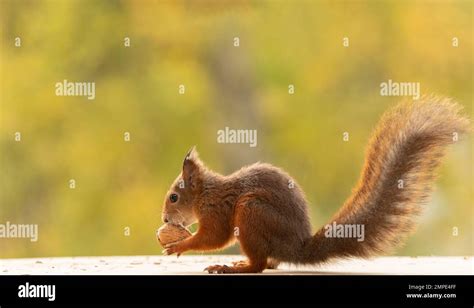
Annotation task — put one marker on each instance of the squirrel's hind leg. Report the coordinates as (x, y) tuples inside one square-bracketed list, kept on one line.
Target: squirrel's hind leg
[(249, 214), (240, 263), (256, 263), (255, 267), (271, 263)]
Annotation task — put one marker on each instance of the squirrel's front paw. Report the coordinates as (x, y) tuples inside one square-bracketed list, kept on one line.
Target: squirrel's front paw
[(173, 248)]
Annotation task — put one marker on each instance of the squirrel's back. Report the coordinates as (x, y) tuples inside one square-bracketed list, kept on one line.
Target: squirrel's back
[(276, 193)]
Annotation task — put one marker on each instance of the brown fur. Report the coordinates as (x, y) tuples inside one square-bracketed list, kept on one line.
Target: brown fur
[(271, 216)]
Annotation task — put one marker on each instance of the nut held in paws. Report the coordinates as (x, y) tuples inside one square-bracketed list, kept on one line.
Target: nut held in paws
[(169, 233)]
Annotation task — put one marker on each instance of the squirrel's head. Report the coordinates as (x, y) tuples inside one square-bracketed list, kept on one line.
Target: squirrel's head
[(181, 198)]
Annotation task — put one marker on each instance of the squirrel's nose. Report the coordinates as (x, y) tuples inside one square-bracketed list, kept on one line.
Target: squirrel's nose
[(166, 220)]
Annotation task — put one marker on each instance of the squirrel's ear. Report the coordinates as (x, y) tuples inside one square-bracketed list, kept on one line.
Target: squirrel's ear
[(191, 166), (192, 154)]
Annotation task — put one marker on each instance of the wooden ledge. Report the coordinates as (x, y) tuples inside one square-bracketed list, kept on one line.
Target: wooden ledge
[(194, 265)]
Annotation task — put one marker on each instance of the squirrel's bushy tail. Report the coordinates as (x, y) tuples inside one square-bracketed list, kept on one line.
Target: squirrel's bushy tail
[(400, 167)]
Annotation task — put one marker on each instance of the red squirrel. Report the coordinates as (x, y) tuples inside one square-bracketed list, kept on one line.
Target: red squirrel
[(263, 208)]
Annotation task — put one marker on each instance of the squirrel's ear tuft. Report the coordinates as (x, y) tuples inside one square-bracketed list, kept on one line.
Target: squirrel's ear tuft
[(192, 155), (191, 166)]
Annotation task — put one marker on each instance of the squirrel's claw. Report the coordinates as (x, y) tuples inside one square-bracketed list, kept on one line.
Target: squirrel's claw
[(171, 249), (219, 269)]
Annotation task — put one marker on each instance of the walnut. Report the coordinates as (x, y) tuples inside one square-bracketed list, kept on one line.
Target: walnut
[(169, 233)]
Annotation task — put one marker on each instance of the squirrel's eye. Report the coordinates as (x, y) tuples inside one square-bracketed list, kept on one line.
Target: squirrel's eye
[(173, 198)]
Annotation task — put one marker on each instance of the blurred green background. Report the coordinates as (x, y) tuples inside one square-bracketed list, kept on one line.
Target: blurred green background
[(122, 184)]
